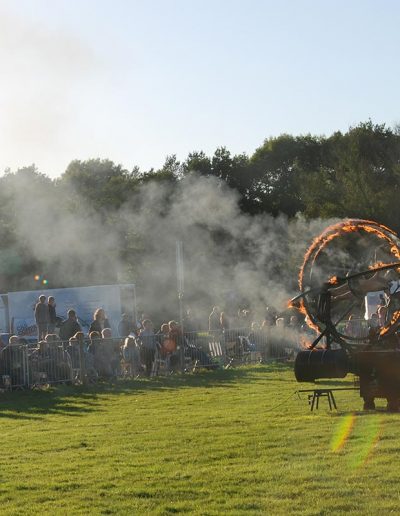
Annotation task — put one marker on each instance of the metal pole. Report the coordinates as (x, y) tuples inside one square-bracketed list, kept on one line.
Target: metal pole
[(136, 317), (180, 286)]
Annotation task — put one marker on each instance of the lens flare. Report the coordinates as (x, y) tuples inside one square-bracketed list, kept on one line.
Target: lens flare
[(44, 282), (372, 432), (36, 277), (343, 433), (366, 438)]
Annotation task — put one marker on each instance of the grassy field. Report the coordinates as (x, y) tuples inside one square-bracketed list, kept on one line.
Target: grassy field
[(210, 443)]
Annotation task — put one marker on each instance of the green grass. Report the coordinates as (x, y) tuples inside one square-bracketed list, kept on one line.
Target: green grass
[(210, 443)]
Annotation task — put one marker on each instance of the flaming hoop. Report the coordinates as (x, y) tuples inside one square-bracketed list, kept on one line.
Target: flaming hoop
[(346, 262)]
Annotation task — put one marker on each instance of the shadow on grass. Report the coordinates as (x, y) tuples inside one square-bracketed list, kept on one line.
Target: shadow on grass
[(80, 400), (359, 412), (35, 404), (333, 383)]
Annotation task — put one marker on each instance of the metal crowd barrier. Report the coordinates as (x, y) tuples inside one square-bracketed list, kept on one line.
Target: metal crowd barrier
[(13, 367), (49, 363), (241, 346), (354, 327)]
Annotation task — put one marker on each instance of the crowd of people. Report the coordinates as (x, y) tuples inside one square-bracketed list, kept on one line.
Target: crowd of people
[(106, 355), (64, 350), (359, 327), (72, 355)]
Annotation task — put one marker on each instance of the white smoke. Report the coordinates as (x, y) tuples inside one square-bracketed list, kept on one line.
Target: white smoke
[(230, 258)]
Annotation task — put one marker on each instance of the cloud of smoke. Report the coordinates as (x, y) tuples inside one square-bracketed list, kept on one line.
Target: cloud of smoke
[(230, 259), (60, 231)]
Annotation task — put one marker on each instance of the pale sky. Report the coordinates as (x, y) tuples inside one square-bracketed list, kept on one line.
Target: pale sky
[(134, 81)]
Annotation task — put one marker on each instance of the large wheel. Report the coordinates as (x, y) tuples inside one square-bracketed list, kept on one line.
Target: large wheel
[(346, 262)]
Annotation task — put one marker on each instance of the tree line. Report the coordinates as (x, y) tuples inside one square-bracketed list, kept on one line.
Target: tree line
[(348, 174), (352, 174)]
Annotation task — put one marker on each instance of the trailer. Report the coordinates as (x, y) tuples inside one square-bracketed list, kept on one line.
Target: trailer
[(17, 308)]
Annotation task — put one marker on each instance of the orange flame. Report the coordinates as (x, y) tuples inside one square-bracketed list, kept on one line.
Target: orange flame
[(348, 226), (352, 228), (337, 230), (333, 281), (395, 318), (303, 310), (377, 265)]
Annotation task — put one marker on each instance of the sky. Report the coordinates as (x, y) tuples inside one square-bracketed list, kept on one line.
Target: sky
[(135, 81)]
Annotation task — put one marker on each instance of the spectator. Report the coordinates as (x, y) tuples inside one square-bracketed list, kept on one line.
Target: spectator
[(77, 353), (270, 315), (148, 345), (175, 334), (41, 361), (382, 311), (374, 321), (190, 324), (383, 301), (51, 359), (51, 337), (112, 350), (164, 330), (125, 326), (100, 321), (73, 351), (256, 336), (242, 320), (352, 327), (265, 325), (101, 348), (232, 343), (70, 326), (214, 320), (294, 323), (175, 340), (196, 354), (42, 317), (265, 333), (51, 303), (12, 362), (94, 338), (131, 355), (167, 344), (239, 318), (14, 340), (373, 326), (144, 317), (224, 322), (80, 337)]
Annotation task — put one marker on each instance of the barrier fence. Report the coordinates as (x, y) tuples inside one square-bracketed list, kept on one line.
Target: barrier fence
[(84, 360)]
